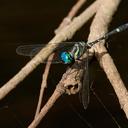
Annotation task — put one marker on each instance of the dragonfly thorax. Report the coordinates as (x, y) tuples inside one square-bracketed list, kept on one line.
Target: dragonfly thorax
[(78, 50)]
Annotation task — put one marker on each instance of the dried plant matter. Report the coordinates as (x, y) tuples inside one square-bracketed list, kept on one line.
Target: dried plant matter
[(104, 10), (64, 23), (104, 16), (63, 35)]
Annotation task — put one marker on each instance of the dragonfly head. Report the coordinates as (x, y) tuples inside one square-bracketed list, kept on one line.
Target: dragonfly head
[(66, 58)]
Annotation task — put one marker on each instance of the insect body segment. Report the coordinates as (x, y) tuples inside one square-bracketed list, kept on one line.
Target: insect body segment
[(114, 31)]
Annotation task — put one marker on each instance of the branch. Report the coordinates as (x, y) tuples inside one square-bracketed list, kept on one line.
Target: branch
[(65, 34), (98, 28), (68, 84), (69, 78), (67, 20), (64, 23), (57, 93)]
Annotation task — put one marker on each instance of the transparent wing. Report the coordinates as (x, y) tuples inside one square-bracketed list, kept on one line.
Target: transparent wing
[(27, 50), (32, 50), (84, 93)]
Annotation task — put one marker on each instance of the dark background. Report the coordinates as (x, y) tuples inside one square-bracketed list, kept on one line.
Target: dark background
[(32, 22)]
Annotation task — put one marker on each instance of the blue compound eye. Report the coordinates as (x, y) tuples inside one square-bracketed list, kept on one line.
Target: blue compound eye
[(66, 57)]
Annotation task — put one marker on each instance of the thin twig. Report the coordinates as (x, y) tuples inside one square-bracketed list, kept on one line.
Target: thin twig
[(44, 83), (99, 27), (65, 34)]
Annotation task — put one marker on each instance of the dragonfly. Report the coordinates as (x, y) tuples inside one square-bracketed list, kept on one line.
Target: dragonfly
[(68, 53)]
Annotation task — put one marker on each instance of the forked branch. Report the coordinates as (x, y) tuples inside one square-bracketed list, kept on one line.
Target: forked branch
[(63, 35), (73, 75), (65, 22), (97, 29)]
